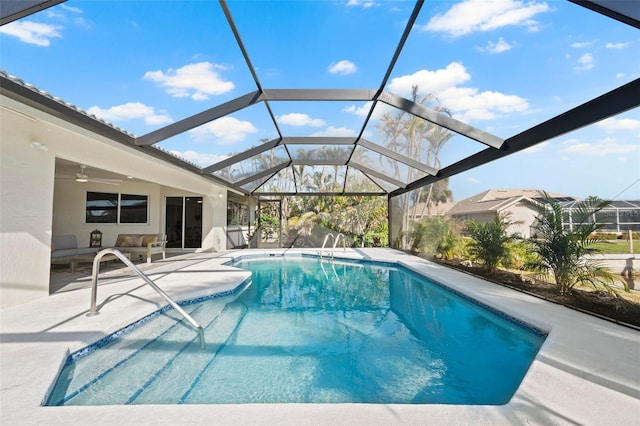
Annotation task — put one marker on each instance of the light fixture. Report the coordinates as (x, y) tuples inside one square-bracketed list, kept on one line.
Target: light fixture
[(81, 177), (220, 195), (39, 146)]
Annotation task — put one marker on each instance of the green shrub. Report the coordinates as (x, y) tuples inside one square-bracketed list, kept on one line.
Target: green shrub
[(437, 235), (564, 252), (522, 254), (489, 242)]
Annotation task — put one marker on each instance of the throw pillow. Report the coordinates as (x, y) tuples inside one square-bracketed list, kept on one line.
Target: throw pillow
[(132, 241)]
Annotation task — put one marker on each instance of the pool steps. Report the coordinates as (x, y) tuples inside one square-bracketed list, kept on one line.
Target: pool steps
[(197, 362), (172, 337)]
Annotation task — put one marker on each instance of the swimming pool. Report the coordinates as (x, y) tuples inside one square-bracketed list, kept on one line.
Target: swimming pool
[(312, 331)]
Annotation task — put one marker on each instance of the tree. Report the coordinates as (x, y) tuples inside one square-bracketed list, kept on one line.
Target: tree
[(489, 241), (563, 251), (420, 140), (436, 235)]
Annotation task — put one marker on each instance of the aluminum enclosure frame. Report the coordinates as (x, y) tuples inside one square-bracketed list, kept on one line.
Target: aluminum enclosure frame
[(621, 99)]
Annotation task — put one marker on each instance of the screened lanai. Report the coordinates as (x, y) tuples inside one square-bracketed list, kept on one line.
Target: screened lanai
[(281, 128)]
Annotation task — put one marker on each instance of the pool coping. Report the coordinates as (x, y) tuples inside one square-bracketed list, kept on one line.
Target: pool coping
[(586, 371)]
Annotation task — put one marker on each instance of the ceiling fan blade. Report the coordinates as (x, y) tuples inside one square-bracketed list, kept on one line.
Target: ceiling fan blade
[(106, 181)]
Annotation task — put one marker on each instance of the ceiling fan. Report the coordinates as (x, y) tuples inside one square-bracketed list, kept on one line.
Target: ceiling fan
[(82, 177)]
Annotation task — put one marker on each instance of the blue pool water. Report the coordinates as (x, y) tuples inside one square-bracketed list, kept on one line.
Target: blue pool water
[(311, 331)]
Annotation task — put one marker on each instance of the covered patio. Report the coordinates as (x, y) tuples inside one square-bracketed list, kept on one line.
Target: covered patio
[(381, 158)]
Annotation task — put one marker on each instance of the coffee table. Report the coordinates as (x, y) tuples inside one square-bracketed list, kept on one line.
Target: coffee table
[(88, 258)]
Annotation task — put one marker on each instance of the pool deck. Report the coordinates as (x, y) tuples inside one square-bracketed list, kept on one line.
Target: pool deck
[(587, 371)]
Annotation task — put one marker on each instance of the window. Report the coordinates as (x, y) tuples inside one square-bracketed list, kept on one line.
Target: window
[(133, 208), (104, 207), (237, 214)]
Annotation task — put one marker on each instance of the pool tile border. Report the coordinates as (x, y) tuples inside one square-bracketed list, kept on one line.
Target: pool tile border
[(81, 353)]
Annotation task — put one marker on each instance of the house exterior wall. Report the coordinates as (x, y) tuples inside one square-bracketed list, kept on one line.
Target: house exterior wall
[(482, 217), (29, 215), (518, 213), (26, 188), (523, 214), (69, 204)]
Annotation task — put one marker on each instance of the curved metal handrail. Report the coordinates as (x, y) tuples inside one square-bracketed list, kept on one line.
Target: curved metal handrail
[(94, 289), (324, 243), (344, 242)]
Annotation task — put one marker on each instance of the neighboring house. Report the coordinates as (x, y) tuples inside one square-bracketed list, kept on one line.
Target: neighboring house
[(485, 206), (618, 216), (422, 211)]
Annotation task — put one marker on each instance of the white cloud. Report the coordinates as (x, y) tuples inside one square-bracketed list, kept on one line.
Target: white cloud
[(335, 131), (481, 15), (200, 159), (360, 3), (430, 81), (199, 81), (536, 148), (362, 111), (585, 62), (53, 13), (62, 12), (227, 130), (466, 103), (296, 119), (473, 180), (343, 67), (612, 124), (70, 8), (581, 45), (616, 45), (32, 32), (599, 148), (130, 111), (498, 47)]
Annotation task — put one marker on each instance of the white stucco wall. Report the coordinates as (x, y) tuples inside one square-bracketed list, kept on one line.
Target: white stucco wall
[(69, 210), (525, 216), (522, 216), (29, 215), (26, 188)]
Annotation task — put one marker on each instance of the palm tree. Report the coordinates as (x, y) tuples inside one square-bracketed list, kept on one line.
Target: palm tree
[(564, 252), (415, 138)]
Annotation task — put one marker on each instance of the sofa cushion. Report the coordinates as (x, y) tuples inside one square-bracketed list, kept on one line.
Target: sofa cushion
[(146, 239), (130, 241), (72, 252)]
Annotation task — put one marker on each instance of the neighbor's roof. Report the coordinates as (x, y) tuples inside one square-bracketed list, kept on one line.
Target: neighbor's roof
[(288, 164), (497, 200)]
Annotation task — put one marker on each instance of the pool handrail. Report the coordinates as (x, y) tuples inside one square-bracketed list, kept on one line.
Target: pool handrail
[(344, 243), (324, 243), (93, 311)]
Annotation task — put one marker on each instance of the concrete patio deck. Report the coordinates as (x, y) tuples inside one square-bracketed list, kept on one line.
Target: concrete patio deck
[(587, 371)]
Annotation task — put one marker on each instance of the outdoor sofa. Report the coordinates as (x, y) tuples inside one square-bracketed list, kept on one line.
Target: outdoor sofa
[(142, 244)]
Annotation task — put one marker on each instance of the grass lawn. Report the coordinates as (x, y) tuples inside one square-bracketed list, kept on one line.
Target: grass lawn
[(617, 247)]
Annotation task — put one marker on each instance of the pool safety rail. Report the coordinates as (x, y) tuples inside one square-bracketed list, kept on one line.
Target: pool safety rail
[(93, 311), (336, 240)]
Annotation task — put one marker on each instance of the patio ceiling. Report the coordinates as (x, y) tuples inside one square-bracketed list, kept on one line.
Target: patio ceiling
[(362, 164)]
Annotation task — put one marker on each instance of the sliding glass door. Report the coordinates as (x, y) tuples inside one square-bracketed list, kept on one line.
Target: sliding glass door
[(183, 222)]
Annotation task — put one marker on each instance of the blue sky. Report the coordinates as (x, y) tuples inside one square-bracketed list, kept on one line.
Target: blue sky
[(502, 66)]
